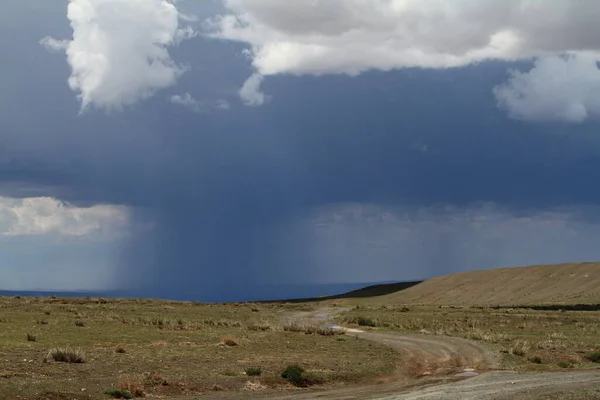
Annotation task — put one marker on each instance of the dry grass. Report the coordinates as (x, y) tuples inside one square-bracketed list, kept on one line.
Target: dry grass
[(169, 349), (310, 329), (135, 387), (520, 348), (516, 334), (66, 354)]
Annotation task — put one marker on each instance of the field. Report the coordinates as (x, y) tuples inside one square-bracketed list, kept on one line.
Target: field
[(523, 339), (168, 349)]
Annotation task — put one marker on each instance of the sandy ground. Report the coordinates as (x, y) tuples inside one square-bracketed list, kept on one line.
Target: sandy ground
[(466, 355)]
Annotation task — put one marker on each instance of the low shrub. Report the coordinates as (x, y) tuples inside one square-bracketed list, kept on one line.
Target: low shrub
[(565, 364), (229, 341), (594, 356), (535, 360), (31, 337), (118, 393), (254, 371), (297, 376)]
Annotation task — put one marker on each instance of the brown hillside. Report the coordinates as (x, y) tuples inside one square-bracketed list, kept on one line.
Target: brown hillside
[(541, 284)]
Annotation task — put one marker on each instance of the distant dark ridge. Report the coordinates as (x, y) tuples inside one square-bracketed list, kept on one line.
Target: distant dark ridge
[(368, 291)]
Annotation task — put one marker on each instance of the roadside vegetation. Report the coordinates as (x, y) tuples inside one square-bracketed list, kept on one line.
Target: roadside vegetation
[(114, 348), (523, 338)]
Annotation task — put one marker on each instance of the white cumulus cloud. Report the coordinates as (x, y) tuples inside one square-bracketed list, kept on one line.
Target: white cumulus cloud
[(119, 50), (557, 88), (45, 215), (352, 36)]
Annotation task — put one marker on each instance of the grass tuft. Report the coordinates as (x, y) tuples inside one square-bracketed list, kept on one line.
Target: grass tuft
[(253, 371), (31, 337), (67, 355), (520, 348)]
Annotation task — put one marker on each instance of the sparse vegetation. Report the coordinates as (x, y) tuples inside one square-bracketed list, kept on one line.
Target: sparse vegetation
[(309, 329), (31, 337), (120, 350), (79, 323), (551, 336)]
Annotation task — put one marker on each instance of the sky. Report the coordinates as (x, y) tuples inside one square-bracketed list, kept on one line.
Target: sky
[(225, 146)]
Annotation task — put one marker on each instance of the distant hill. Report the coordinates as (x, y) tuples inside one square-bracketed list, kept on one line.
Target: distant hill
[(577, 283), (365, 292)]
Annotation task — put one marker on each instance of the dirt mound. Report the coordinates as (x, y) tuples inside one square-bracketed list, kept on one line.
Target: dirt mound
[(577, 283)]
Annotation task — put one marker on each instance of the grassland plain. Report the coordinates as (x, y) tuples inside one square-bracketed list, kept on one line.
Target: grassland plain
[(168, 349), (525, 339)]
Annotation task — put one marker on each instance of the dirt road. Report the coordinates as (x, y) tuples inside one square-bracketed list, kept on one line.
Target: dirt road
[(438, 361)]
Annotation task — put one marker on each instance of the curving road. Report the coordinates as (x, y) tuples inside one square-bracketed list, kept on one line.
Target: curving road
[(442, 365)]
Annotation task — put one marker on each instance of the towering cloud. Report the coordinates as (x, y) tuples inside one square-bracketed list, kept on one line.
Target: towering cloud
[(353, 36), (118, 53)]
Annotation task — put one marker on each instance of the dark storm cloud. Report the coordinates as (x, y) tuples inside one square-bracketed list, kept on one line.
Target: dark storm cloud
[(216, 197)]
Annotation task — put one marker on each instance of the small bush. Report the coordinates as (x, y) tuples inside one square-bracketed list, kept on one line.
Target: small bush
[(118, 393), (47, 312), (297, 376), (594, 356), (31, 337), (565, 364), (42, 322), (361, 321), (294, 374), (535, 360), (229, 341), (79, 323), (67, 355), (366, 321), (254, 371), (120, 350), (218, 388)]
